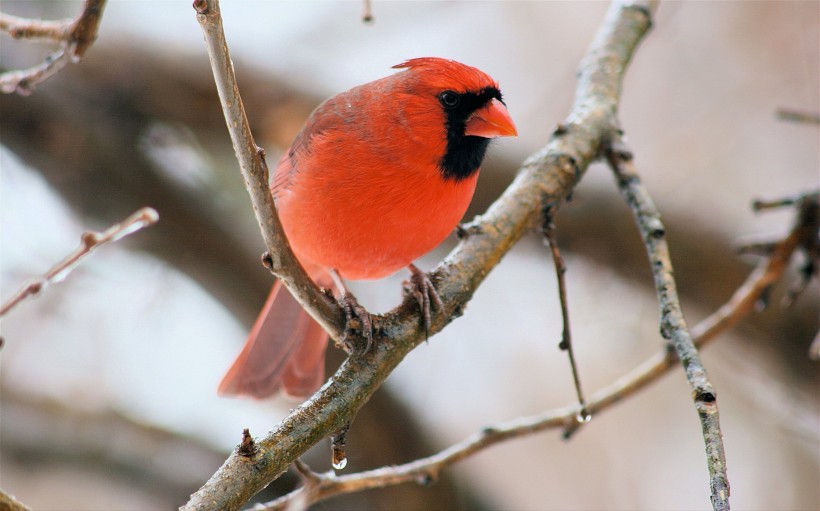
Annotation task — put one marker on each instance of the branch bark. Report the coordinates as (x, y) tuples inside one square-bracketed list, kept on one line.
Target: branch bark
[(74, 35), (9, 503), (255, 172), (673, 324), (546, 178)]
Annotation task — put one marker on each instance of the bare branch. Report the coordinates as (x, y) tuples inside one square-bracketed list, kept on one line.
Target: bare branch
[(367, 13), (142, 218), (740, 305), (547, 176), (255, 171), (789, 114), (74, 36), (673, 324), (24, 80), (23, 28), (9, 503), (548, 230)]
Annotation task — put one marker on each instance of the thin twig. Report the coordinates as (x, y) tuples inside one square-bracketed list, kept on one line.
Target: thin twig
[(24, 28), (740, 305), (814, 349), (74, 35), (548, 230), (24, 80), (673, 324), (808, 204), (367, 14), (789, 114), (549, 174), (255, 171), (89, 241)]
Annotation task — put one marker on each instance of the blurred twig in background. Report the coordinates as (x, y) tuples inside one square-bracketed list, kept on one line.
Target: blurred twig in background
[(74, 35), (788, 114), (145, 217)]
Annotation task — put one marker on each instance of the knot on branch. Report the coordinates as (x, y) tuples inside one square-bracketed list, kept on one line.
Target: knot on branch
[(427, 479), (655, 228), (488, 431), (561, 129), (247, 447), (267, 260), (464, 231), (201, 6), (89, 239)]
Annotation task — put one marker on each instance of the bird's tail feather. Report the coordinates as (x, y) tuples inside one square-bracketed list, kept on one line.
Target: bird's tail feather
[(284, 351)]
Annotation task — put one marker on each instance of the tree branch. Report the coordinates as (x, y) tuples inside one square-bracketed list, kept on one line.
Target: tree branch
[(24, 28), (546, 177), (673, 324), (75, 37), (548, 230), (9, 503), (145, 217), (255, 172), (790, 114), (741, 304)]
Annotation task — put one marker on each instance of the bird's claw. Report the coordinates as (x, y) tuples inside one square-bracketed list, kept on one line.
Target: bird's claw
[(422, 289), (357, 319)]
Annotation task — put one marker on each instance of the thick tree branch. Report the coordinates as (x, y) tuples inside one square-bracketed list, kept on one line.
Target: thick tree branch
[(742, 303), (673, 324), (545, 178), (89, 241), (74, 35)]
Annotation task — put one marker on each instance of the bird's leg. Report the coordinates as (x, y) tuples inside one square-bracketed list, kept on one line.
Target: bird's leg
[(423, 290), (356, 317)]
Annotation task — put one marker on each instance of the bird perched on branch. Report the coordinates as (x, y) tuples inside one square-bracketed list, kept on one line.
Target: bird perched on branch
[(380, 175)]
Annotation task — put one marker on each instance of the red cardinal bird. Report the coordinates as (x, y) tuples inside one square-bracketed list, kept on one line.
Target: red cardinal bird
[(379, 176)]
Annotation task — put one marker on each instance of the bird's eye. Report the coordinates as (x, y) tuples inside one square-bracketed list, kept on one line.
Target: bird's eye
[(449, 99)]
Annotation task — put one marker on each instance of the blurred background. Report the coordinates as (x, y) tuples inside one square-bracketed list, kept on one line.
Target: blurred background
[(108, 380)]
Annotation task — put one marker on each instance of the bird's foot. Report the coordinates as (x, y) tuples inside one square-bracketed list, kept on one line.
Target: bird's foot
[(357, 320), (422, 289)]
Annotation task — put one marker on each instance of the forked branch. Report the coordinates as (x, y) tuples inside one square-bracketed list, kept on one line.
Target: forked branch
[(74, 35)]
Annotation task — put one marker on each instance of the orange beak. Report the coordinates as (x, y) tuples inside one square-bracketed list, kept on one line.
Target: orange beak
[(491, 121)]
